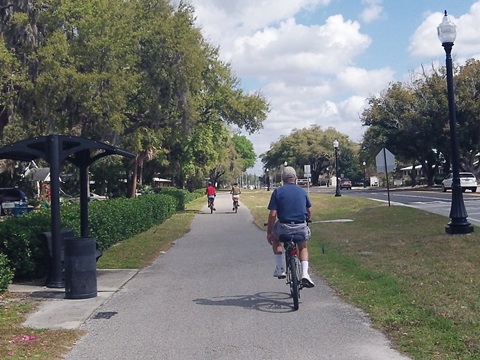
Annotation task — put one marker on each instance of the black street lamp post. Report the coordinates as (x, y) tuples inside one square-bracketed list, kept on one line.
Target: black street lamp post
[(267, 179), (458, 214), (337, 189), (364, 175)]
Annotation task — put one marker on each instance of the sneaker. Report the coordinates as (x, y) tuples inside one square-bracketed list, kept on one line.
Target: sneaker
[(307, 282), (279, 273), (233, 209)]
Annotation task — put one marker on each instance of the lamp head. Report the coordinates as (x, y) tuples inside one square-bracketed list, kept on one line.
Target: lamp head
[(335, 143), (447, 31)]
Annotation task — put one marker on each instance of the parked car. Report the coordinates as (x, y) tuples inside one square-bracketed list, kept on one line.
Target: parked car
[(345, 184), (93, 197), (467, 181), (304, 182), (9, 196)]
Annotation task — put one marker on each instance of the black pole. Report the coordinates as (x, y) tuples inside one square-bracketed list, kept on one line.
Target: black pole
[(337, 190), (458, 214), (84, 201), (364, 176), (53, 148)]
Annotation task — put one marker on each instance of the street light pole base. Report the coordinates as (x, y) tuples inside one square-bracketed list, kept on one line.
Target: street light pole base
[(337, 194), (458, 229)]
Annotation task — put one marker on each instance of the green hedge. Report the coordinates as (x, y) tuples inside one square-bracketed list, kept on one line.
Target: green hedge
[(6, 273), (110, 221), (20, 243), (179, 195)]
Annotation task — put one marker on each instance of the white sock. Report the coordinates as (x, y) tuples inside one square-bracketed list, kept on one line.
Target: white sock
[(304, 267), (279, 260)]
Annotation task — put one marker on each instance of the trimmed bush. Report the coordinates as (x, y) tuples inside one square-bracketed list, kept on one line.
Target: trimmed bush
[(117, 219), (182, 196), (6, 273), (110, 221), (21, 245)]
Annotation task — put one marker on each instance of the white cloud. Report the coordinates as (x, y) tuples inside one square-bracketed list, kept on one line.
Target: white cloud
[(308, 66), (292, 48), (372, 11), (468, 33), (365, 82), (425, 42), (224, 20)]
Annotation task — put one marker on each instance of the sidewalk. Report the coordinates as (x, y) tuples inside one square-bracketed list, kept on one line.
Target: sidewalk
[(56, 312)]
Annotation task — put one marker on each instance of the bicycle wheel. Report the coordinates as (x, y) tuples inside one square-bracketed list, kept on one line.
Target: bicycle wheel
[(211, 208), (295, 281), (236, 207)]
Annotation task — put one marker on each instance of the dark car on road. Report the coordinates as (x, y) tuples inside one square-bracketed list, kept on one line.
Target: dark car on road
[(346, 184), (8, 195)]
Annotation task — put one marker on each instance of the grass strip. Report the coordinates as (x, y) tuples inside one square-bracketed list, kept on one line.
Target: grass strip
[(417, 284)]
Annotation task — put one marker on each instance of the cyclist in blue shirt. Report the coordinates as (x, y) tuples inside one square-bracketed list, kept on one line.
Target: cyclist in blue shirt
[(292, 207)]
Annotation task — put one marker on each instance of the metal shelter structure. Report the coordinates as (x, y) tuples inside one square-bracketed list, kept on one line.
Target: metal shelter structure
[(55, 149)]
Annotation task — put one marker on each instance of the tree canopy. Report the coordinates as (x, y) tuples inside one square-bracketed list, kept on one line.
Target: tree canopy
[(136, 74), (412, 120), (314, 147)]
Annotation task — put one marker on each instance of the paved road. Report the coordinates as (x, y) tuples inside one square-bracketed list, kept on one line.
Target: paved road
[(213, 296), (431, 200)]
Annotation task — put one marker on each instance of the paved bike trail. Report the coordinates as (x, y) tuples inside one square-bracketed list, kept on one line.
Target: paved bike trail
[(213, 296)]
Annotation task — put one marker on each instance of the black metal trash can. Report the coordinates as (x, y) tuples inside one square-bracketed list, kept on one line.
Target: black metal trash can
[(80, 268)]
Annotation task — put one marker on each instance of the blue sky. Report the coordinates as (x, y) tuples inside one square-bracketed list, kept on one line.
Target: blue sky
[(317, 61)]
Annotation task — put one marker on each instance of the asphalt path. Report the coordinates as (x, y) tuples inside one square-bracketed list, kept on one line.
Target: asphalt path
[(213, 296)]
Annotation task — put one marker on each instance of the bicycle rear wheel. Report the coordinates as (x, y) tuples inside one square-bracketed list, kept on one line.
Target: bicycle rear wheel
[(294, 281)]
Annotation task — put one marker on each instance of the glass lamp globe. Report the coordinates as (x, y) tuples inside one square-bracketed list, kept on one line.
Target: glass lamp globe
[(447, 31)]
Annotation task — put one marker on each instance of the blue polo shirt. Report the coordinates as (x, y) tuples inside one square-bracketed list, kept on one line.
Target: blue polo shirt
[(291, 203)]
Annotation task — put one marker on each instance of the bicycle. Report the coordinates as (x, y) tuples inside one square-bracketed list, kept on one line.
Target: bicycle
[(293, 272), (293, 267), (210, 204), (235, 204)]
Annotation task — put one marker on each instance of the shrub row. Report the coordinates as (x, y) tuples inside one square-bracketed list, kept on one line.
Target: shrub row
[(24, 255), (6, 273)]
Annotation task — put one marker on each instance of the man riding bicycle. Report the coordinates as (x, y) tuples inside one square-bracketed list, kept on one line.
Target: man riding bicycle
[(235, 194), (211, 193), (290, 203)]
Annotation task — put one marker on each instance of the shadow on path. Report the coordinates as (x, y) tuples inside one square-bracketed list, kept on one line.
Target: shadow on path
[(273, 302)]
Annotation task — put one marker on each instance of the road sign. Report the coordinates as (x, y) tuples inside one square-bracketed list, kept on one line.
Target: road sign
[(385, 158), (306, 171)]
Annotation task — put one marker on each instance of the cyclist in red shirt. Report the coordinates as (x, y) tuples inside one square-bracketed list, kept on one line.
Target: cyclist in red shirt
[(211, 193)]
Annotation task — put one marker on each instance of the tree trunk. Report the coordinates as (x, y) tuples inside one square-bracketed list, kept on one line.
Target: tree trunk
[(133, 185)]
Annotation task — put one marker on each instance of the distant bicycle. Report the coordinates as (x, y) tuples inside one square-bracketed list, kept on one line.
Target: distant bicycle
[(210, 204)]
